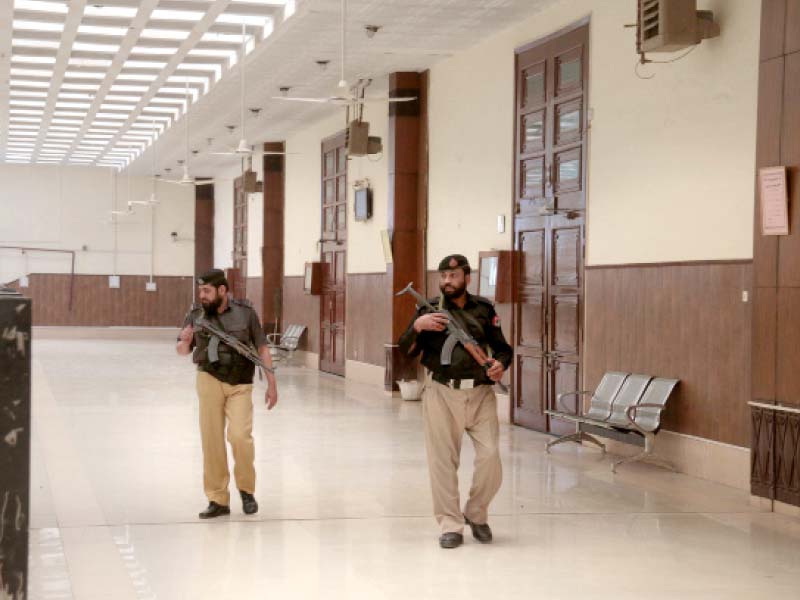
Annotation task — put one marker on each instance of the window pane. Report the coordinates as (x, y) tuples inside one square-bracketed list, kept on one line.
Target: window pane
[(533, 132), (534, 86), (569, 70), (569, 123), (330, 192), (341, 217), (341, 195), (342, 160), (329, 163), (329, 219), (532, 178)]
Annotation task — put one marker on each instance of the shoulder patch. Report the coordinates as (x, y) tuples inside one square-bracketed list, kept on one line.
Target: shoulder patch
[(496, 320)]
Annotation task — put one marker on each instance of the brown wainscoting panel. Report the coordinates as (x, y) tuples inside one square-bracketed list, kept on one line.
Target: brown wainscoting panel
[(764, 343), (302, 309), (369, 317), (787, 373), (679, 320), (96, 305), (762, 460), (787, 458), (254, 293)]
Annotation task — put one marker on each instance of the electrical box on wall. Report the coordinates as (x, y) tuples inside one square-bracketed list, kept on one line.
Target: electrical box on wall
[(312, 278), (150, 286), (113, 282), (495, 275)]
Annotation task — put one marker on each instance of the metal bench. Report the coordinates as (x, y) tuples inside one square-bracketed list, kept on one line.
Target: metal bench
[(624, 407), (283, 345)]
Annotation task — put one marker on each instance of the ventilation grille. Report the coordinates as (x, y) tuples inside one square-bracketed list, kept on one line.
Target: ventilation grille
[(649, 19)]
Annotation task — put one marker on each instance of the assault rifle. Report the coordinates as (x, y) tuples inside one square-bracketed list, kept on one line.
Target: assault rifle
[(456, 334), (229, 340)]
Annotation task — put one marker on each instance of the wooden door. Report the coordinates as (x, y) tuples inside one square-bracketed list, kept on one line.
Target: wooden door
[(549, 224), (334, 255)]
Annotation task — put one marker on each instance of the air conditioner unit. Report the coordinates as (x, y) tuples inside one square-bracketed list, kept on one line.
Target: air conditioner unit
[(670, 25)]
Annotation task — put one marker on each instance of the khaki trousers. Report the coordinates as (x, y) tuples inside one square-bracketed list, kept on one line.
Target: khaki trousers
[(219, 401), (447, 414)]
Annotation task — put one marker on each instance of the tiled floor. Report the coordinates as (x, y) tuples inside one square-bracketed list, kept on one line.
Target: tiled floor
[(345, 504)]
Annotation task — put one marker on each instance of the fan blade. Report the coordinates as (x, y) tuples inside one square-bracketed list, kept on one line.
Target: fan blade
[(398, 99), (203, 181), (223, 153), (173, 181), (296, 99)]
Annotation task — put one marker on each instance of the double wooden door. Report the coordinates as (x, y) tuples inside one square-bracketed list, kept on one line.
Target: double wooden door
[(334, 255), (549, 225)]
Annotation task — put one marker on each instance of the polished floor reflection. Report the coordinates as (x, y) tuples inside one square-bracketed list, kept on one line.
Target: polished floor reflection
[(345, 505)]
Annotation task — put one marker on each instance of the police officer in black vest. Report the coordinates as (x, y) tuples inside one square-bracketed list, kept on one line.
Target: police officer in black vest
[(459, 398), (224, 387)]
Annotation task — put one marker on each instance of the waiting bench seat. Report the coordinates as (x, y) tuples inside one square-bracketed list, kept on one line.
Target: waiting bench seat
[(283, 345), (627, 403)]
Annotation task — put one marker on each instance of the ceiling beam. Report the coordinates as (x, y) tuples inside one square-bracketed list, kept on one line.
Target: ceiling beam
[(146, 7), (68, 35), (186, 45)]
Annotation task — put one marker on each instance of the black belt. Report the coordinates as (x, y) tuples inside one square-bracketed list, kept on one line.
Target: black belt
[(456, 384)]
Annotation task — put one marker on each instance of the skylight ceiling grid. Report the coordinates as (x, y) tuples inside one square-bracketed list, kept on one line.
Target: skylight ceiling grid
[(103, 75)]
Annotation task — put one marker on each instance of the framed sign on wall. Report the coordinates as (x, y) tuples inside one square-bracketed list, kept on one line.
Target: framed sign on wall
[(772, 191)]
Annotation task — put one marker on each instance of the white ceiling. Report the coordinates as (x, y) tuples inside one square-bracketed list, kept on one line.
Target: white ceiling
[(68, 101)]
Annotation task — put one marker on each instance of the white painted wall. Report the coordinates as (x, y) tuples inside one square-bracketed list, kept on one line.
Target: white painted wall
[(223, 216), (671, 159), (69, 207), (304, 192)]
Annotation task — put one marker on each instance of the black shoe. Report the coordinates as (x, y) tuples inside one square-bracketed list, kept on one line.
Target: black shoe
[(214, 510), (451, 540), (249, 504), (482, 533)]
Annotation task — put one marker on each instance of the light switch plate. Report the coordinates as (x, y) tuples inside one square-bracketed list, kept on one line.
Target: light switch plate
[(23, 281), (150, 286), (113, 281), (501, 223)]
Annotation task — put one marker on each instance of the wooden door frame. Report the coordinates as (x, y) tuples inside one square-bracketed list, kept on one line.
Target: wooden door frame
[(583, 22), (335, 140)]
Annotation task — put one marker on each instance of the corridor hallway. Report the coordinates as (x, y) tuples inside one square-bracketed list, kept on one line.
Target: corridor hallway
[(345, 502)]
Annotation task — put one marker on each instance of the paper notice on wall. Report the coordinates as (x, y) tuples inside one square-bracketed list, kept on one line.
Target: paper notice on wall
[(774, 201)]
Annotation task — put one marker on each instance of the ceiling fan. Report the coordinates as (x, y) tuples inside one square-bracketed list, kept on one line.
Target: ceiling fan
[(356, 92), (187, 179), (243, 148)]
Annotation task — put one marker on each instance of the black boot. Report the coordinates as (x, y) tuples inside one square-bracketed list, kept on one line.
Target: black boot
[(249, 504), (482, 533), (451, 540), (214, 510)]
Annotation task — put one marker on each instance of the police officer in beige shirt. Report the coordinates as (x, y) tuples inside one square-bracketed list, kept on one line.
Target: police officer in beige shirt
[(224, 388), (459, 398)]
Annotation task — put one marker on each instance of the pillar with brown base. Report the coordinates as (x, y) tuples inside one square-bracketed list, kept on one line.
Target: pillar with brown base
[(406, 149)]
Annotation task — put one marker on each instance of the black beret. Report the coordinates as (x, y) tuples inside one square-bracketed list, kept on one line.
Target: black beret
[(455, 261), (215, 277)]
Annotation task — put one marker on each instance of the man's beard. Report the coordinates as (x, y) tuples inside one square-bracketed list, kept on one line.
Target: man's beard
[(453, 292), (211, 308)]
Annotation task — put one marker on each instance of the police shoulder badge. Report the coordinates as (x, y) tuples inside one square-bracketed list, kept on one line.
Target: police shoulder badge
[(496, 320)]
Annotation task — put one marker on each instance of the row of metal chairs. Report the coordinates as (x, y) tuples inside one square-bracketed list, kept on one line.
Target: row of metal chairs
[(623, 403)]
